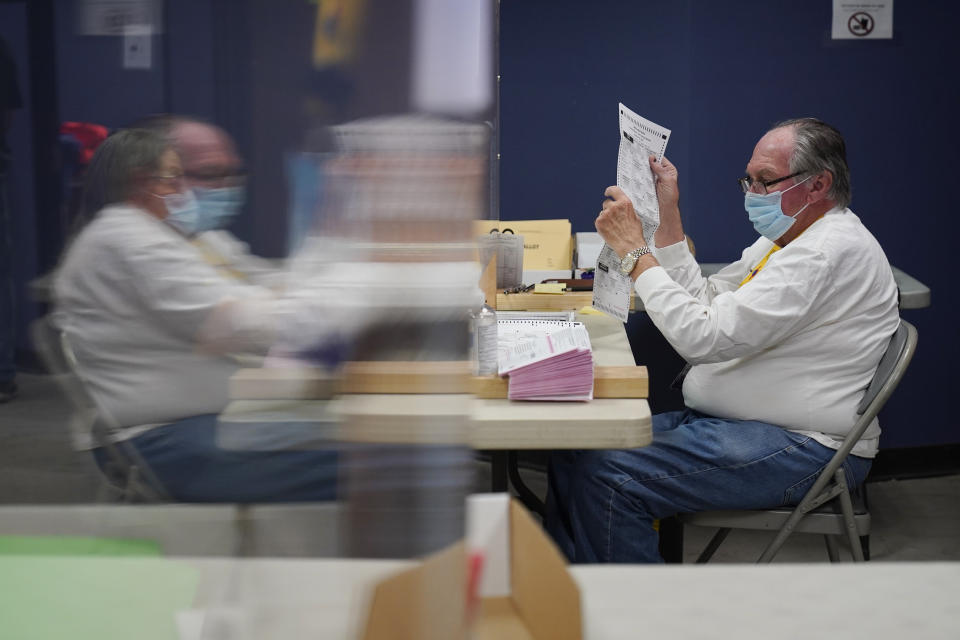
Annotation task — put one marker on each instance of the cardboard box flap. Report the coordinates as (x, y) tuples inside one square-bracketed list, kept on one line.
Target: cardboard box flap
[(429, 601), (544, 592), (423, 603), (500, 620)]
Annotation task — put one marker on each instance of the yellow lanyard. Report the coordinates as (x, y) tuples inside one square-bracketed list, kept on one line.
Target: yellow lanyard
[(760, 265), (217, 261)]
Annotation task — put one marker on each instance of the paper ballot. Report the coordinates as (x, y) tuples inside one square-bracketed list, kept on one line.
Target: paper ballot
[(546, 359), (639, 139)]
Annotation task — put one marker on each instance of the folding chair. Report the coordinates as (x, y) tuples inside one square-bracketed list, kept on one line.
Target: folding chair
[(125, 470), (827, 508)]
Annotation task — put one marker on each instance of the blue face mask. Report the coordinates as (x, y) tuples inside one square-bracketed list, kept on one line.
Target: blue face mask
[(182, 211), (218, 207), (766, 213)]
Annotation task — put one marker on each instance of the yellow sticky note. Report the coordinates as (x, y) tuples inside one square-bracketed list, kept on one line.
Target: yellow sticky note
[(549, 287), (590, 311)]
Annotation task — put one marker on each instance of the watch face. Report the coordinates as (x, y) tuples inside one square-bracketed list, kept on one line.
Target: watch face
[(627, 263)]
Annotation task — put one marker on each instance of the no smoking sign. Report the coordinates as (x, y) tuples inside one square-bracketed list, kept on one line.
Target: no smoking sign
[(860, 24), (863, 19)]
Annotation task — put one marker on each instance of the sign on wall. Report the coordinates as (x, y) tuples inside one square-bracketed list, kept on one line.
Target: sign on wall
[(112, 17), (853, 20)]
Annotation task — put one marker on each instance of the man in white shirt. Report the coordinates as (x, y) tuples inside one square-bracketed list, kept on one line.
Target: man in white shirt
[(214, 172), (782, 343), (152, 323)]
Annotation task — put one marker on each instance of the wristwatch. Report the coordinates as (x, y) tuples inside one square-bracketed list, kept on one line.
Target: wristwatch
[(629, 261)]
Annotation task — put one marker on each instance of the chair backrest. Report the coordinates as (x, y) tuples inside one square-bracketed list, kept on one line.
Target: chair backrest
[(86, 425), (892, 366), (47, 340), (899, 352)]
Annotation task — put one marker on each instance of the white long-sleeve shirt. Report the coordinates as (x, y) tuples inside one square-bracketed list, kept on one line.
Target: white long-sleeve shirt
[(137, 300), (798, 344)]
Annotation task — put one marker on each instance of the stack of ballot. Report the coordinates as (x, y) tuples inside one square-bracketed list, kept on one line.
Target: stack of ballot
[(545, 359)]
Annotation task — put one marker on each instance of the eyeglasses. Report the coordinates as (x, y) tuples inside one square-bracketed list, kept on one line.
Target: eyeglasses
[(219, 178), (169, 178), (748, 184)]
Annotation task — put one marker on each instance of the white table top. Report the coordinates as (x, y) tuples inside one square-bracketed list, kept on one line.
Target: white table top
[(310, 598), (870, 601), (482, 424)]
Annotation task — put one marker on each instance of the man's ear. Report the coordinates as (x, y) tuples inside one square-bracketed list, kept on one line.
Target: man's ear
[(821, 186)]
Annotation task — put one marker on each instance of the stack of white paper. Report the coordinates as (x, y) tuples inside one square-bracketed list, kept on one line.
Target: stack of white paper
[(546, 360), (588, 247)]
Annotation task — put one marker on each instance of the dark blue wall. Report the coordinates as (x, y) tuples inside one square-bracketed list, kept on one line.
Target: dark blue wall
[(94, 87), (718, 74), (13, 29)]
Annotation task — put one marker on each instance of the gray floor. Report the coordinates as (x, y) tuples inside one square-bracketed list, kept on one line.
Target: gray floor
[(913, 520)]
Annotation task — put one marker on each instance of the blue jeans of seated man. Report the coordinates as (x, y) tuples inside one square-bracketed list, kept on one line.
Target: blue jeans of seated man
[(601, 504), (185, 457)]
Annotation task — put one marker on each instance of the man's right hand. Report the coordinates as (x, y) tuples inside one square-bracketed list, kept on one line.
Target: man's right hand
[(670, 230)]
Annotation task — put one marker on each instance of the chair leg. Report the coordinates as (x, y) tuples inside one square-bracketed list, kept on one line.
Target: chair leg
[(712, 546), (244, 531), (108, 492), (130, 488), (846, 506), (767, 556), (832, 550), (865, 540)]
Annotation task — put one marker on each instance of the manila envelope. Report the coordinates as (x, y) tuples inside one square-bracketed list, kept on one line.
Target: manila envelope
[(547, 244)]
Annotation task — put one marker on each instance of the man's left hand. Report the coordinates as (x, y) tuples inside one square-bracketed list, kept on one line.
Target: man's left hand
[(618, 223)]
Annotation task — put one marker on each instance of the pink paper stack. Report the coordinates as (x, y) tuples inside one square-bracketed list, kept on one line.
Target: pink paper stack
[(557, 365)]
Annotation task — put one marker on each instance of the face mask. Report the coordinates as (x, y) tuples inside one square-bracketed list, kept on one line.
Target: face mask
[(218, 207), (182, 211), (766, 214)]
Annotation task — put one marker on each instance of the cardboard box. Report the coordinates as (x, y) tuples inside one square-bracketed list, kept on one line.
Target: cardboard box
[(547, 244), (519, 584)]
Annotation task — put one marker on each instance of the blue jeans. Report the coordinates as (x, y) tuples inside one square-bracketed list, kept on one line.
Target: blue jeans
[(191, 466), (601, 504)]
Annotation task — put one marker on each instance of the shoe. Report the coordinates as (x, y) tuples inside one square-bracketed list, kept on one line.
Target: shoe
[(8, 391)]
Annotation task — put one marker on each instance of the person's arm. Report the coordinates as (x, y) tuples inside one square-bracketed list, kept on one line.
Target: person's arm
[(670, 230), (618, 221), (778, 302), (191, 299), (620, 227), (236, 255)]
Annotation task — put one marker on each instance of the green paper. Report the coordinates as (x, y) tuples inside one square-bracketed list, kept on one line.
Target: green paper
[(76, 546), (93, 597)]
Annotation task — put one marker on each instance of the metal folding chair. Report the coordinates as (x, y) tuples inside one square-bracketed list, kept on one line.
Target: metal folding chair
[(827, 508), (125, 470)]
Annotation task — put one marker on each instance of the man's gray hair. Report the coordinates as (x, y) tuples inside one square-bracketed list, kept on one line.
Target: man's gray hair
[(117, 164), (819, 147)]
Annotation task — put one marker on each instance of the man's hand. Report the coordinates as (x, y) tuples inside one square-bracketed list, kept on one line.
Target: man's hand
[(670, 230), (618, 223)]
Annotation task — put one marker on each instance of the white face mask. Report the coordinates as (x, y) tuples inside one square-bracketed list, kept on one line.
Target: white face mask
[(766, 213), (183, 213), (219, 206)]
